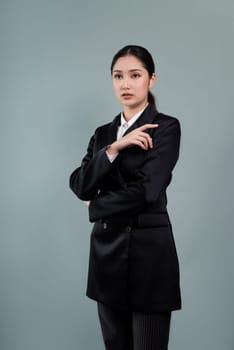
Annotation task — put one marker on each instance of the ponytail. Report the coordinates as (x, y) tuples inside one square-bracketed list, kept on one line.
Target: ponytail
[(151, 99)]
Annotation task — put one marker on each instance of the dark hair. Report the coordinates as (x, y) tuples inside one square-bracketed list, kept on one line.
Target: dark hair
[(142, 55)]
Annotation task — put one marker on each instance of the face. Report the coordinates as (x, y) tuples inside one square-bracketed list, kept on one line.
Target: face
[(131, 82)]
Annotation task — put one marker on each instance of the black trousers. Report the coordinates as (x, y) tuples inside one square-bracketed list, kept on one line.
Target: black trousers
[(126, 330)]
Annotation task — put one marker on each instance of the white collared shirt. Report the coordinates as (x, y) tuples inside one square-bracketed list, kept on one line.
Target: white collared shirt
[(124, 125)]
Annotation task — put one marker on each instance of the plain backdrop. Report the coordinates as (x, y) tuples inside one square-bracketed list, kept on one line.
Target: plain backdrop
[(55, 90)]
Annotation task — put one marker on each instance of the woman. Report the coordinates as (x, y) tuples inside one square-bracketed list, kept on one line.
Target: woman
[(133, 266)]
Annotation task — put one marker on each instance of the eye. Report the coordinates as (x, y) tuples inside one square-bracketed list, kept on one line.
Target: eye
[(117, 76), (136, 75)]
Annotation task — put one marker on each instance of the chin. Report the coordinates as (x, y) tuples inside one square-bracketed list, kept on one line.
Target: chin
[(129, 103), (133, 105)]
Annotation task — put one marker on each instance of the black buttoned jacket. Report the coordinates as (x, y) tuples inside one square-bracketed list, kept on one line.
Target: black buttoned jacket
[(133, 259)]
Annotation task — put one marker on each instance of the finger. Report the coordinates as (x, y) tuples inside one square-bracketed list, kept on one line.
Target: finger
[(144, 141), (148, 138), (148, 142), (148, 126), (140, 141), (141, 145)]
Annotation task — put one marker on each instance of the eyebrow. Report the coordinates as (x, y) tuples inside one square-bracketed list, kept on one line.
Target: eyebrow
[(131, 70)]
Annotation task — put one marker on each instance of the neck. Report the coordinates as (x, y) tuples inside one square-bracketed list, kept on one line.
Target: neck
[(130, 112)]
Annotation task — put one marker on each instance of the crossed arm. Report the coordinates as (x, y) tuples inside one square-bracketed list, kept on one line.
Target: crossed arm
[(163, 152)]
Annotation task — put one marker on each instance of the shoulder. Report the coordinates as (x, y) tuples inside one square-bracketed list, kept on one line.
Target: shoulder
[(169, 126), (167, 120), (105, 127)]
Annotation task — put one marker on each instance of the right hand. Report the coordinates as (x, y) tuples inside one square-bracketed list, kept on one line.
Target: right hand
[(136, 137)]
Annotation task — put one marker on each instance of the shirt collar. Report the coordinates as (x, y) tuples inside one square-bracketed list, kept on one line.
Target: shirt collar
[(133, 119)]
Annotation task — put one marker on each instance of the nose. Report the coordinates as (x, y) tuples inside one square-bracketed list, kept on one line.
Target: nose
[(125, 83)]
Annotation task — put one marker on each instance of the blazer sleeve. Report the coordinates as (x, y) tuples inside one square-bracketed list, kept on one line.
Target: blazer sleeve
[(85, 180), (153, 176)]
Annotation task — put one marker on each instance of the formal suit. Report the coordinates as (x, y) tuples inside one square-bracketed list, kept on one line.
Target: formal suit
[(133, 260)]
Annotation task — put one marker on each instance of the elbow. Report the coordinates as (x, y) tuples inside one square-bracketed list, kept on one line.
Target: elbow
[(75, 186), (78, 188)]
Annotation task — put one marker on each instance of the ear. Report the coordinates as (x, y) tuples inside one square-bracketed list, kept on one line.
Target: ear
[(152, 80)]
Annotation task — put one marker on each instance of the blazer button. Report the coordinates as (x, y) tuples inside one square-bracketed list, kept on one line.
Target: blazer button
[(128, 228)]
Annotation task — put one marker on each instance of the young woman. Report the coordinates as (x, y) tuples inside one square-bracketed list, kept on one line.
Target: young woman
[(133, 266)]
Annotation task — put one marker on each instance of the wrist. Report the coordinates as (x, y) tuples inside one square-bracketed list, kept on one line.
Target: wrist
[(112, 149)]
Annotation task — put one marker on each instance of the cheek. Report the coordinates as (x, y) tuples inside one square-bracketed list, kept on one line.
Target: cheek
[(143, 87), (115, 87)]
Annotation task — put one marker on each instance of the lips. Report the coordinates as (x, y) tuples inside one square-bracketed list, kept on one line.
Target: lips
[(126, 95)]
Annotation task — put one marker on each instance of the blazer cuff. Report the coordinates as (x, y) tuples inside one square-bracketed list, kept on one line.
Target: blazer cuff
[(111, 157)]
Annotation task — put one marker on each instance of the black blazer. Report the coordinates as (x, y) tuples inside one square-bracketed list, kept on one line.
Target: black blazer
[(133, 260)]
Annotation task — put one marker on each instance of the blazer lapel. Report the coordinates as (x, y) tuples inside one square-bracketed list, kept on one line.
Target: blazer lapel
[(112, 132), (147, 117)]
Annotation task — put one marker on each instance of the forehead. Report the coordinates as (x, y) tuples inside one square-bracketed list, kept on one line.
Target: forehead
[(127, 63)]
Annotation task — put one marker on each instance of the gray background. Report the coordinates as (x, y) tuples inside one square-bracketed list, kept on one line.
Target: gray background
[(55, 90)]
